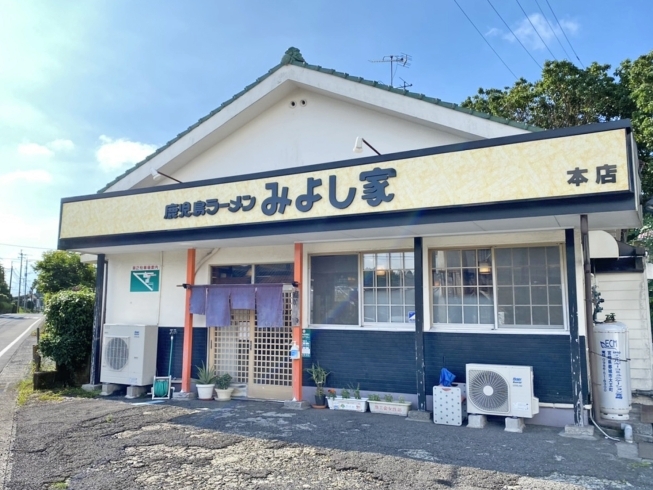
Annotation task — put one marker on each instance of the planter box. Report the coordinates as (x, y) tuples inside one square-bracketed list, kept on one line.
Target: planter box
[(392, 408), (351, 404)]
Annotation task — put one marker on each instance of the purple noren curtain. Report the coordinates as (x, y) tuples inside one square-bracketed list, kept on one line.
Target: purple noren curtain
[(269, 305), (218, 313), (243, 297), (198, 300)]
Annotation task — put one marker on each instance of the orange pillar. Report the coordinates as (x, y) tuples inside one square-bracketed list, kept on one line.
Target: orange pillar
[(297, 329), (188, 324)]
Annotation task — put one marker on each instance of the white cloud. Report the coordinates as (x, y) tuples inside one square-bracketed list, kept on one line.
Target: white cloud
[(527, 35), (61, 145), (34, 150), (493, 32), (114, 154), (35, 176), (570, 26)]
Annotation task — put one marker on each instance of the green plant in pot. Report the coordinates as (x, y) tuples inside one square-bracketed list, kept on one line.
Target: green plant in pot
[(205, 382), (223, 389), (319, 376)]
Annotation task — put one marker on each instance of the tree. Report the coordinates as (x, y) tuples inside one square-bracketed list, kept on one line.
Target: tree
[(68, 332), (59, 270), (568, 96), (5, 293)]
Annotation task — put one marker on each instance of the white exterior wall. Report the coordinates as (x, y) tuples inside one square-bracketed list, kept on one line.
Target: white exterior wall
[(128, 308), (626, 295), (322, 131), (166, 307)]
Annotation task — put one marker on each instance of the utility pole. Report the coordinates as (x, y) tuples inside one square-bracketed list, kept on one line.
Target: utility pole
[(20, 273), (25, 300), (11, 277)]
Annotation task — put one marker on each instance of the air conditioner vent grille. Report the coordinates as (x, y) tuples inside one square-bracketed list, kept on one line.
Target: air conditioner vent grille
[(116, 353), (488, 391)]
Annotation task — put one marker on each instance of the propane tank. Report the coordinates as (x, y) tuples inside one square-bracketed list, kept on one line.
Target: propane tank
[(613, 369)]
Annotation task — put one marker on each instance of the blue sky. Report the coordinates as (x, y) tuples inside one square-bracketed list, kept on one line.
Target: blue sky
[(89, 88)]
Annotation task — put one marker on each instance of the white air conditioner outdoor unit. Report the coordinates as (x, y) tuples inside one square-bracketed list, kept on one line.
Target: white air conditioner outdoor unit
[(501, 390), (129, 354)]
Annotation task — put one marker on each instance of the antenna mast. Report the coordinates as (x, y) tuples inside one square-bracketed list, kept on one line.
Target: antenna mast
[(395, 60)]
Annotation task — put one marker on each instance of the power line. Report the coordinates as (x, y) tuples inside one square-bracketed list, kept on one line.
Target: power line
[(536, 31), (563, 31), (552, 29), (25, 246), (515, 36), (486, 41)]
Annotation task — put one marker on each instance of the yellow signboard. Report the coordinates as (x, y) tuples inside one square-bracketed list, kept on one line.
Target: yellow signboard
[(567, 166)]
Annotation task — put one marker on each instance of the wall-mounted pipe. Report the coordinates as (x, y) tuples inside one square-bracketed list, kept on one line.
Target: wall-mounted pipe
[(589, 322)]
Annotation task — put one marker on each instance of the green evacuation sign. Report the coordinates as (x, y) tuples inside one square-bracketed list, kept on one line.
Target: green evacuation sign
[(144, 279)]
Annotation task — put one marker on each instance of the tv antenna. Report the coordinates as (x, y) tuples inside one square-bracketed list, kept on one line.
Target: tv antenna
[(405, 85), (395, 60)]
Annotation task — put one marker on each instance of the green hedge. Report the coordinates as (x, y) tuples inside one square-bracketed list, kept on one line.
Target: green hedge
[(68, 331)]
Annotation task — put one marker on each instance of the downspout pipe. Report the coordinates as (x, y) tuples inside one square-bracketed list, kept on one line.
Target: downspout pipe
[(100, 303), (589, 322)]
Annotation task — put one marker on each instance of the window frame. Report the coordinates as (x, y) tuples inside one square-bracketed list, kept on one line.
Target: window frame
[(253, 265), (496, 328), (380, 326)]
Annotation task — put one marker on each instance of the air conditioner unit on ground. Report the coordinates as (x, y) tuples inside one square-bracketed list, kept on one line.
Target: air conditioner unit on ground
[(129, 354), (501, 390)]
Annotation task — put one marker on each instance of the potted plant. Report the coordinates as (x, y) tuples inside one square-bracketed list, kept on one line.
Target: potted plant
[(389, 405), (205, 382), (223, 388), (318, 376), (345, 402)]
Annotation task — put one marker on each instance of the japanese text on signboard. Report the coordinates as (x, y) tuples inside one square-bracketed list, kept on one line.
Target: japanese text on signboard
[(374, 192)]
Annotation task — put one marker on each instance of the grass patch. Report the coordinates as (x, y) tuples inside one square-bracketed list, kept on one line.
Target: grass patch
[(25, 390), (640, 464), (60, 485), (59, 394)]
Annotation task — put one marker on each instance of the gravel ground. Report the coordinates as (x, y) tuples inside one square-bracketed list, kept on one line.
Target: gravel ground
[(110, 444)]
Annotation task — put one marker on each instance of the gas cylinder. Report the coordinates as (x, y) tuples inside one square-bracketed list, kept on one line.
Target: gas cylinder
[(612, 357)]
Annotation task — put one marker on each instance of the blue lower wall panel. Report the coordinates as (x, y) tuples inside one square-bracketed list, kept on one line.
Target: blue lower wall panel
[(378, 361), (548, 354), (200, 338), (385, 361)]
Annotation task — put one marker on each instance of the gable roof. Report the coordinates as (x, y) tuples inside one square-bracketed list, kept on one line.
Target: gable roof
[(293, 56)]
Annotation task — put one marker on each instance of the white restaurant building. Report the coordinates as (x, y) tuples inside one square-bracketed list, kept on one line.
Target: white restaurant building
[(460, 243)]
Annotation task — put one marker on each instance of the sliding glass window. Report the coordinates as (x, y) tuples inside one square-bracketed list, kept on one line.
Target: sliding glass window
[(334, 290)]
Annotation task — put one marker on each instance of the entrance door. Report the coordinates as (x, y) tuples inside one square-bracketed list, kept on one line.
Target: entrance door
[(257, 358)]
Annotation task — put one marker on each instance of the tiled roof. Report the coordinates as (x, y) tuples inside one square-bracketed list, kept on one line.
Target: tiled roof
[(294, 57)]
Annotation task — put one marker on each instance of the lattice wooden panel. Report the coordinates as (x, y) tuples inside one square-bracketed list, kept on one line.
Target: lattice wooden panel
[(272, 366), (231, 347)]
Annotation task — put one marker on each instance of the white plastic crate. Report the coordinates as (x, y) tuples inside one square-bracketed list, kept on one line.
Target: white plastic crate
[(450, 404)]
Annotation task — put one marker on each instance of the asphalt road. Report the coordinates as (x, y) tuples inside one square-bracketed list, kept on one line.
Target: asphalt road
[(13, 329), (108, 444), (15, 355)]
